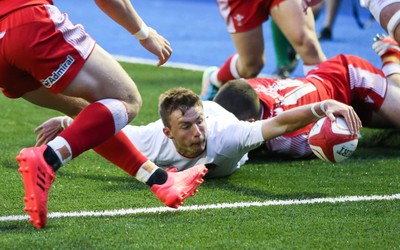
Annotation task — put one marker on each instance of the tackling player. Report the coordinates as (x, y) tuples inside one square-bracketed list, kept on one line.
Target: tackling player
[(373, 93), (244, 20), (53, 63)]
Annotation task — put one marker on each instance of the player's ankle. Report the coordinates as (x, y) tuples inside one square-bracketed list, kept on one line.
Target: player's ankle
[(51, 158), (159, 177)]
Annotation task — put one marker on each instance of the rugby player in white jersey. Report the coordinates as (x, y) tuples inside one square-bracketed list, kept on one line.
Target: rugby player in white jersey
[(193, 132)]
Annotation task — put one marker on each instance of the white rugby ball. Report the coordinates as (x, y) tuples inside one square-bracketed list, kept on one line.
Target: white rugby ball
[(332, 142)]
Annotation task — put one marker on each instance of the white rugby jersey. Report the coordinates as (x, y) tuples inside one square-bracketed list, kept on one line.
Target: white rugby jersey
[(228, 142)]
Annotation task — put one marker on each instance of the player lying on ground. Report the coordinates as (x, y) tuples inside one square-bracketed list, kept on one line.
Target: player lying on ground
[(373, 93), (194, 132)]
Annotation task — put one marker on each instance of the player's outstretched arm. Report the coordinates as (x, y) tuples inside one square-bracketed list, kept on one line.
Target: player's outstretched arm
[(122, 12), (299, 117)]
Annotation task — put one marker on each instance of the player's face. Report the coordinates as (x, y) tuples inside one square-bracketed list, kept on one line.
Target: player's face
[(188, 131)]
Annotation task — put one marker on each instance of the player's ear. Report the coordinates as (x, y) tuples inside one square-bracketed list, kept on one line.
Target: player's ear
[(167, 133), (251, 120)]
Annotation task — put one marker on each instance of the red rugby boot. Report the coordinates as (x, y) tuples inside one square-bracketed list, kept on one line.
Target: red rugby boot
[(37, 176), (386, 46), (179, 185)]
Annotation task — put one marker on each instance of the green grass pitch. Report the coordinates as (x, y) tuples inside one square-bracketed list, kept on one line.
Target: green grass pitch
[(90, 184)]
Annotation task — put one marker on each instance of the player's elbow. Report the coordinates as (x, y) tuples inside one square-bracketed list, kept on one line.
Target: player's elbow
[(272, 128)]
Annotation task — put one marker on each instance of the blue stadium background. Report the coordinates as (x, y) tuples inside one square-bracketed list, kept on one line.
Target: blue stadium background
[(198, 34)]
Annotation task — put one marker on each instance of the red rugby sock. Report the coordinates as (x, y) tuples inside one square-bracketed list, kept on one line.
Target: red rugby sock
[(120, 151), (228, 70), (95, 124)]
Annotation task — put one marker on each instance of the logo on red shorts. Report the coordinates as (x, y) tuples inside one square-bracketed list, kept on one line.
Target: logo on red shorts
[(57, 74)]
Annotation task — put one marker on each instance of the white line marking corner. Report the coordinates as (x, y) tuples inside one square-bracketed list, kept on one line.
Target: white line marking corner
[(120, 212)]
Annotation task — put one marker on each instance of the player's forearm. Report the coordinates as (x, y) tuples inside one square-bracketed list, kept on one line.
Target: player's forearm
[(299, 117), (122, 12), (292, 120)]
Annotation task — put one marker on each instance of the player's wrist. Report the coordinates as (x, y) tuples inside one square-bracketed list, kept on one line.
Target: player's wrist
[(315, 113), (65, 122), (322, 106), (143, 33)]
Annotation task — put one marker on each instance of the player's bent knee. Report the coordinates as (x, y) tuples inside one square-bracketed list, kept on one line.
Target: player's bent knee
[(133, 108), (251, 70)]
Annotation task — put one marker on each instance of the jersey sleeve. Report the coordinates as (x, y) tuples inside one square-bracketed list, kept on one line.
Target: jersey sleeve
[(147, 139), (241, 137)]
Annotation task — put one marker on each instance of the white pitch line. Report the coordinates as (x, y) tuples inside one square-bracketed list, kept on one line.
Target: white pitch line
[(178, 65), (207, 207)]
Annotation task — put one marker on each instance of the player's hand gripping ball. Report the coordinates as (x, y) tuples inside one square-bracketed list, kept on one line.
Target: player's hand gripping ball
[(332, 142)]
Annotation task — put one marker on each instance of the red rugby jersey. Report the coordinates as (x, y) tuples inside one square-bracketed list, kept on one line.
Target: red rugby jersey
[(7, 6)]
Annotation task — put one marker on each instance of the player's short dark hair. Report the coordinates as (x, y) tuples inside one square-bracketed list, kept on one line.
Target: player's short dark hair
[(239, 98), (176, 99)]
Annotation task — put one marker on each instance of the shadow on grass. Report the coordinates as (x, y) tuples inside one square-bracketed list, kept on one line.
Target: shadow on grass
[(374, 144), (9, 164), (380, 138), (129, 184), (118, 183), (225, 184), (23, 226)]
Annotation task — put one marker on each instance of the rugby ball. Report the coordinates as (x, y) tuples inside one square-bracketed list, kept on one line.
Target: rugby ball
[(332, 142)]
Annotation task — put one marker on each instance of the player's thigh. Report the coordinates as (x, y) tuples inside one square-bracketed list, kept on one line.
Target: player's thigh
[(43, 97), (250, 46), (390, 108), (299, 29), (298, 26), (387, 12), (103, 77), (386, 15)]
